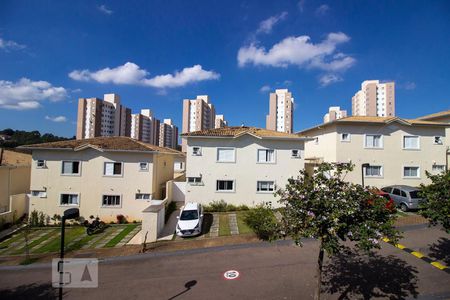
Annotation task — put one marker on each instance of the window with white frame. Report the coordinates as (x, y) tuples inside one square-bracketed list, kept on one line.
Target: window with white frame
[(225, 154), (438, 140), (373, 141), (412, 172), (345, 137), (411, 142), (69, 199), (436, 169), (141, 196), (295, 153), (70, 167), (143, 166), (265, 186), (373, 171), (41, 164), (266, 155), (194, 180), (111, 200), (112, 169), (40, 194), (196, 151), (225, 185)]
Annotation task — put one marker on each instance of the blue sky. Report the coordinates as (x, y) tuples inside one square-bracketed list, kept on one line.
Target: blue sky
[(156, 53)]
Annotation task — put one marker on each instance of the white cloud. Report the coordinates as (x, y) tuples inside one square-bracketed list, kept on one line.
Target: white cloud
[(301, 5), (10, 45), (105, 10), (409, 85), (27, 94), (328, 79), (322, 10), (132, 74), (265, 89), (267, 25), (58, 119), (299, 51)]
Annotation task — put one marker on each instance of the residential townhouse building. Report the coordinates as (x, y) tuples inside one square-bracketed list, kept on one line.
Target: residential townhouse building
[(240, 165), (104, 177), (399, 151), (441, 117)]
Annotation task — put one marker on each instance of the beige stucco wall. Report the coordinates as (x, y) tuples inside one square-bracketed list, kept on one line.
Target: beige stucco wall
[(245, 171), (325, 146), (392, 157), (91, 184), (13, 180)]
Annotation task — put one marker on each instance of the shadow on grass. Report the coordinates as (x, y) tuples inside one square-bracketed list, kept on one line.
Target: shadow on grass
[(352, 274), (30, 291), (441, 250), (207, 222)]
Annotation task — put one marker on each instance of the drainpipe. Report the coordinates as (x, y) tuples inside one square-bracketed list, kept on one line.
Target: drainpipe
[(447, 153)]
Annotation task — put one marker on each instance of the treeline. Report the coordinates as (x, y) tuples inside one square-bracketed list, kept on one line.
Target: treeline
[(10, 138)]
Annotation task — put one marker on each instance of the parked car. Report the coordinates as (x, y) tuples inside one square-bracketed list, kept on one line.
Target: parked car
[(390, 204), (190, 220), (406, 197)]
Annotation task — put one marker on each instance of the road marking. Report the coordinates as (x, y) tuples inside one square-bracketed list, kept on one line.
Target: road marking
[(231, 274), (420, 255)]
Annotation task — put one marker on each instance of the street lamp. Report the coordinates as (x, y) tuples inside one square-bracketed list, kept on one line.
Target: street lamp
[(366, 165), (71, 213)]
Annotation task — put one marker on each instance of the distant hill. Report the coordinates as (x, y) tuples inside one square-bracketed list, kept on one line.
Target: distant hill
[(10, 138)]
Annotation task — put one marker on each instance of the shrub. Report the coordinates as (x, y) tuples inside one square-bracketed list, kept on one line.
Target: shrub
[(121, 219), (222, 206), (263, 222), (170, 208), (41, 219), (33, 220)]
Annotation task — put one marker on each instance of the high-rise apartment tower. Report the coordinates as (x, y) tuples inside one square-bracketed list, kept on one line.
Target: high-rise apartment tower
[(374, 99), (281, 111)]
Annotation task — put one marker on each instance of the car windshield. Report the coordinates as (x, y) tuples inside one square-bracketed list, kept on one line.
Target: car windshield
[(415, 194), (187, 215)]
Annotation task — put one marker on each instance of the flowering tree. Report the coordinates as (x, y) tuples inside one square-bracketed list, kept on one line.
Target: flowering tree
[(437, 207), (331, 210)]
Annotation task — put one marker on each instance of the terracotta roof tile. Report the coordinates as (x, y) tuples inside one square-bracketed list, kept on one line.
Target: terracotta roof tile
[(235, 131), (115, 143), (435, 115)]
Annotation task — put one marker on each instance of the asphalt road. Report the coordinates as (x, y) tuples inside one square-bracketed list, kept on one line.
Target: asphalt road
[(267, 271)]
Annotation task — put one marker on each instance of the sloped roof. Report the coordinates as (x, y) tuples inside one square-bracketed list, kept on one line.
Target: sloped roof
[(116, 143), (444, 113), (375, 120), (236, 131)]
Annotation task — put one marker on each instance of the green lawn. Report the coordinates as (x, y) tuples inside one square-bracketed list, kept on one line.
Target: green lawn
[(224, 227), (50, 234), (114, 241), (243, 227), (53, 244)]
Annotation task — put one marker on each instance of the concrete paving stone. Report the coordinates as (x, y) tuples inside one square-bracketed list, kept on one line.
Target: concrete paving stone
[(97, 238), (128, 237), (232, 223), (214, 230), (110, 236)]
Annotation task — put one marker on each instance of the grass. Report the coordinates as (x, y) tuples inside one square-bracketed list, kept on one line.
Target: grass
[(401, 214), (243, 227), (11, 240), (37, 242), (224, 227), (53, 245), (114, 241)]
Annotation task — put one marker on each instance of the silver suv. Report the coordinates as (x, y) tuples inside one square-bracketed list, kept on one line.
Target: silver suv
[(406, 197)]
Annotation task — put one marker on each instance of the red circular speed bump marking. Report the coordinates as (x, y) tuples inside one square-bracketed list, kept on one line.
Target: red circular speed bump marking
[(231, 274)]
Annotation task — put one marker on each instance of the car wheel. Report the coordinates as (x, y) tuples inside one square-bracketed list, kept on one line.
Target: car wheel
[(403, 207)]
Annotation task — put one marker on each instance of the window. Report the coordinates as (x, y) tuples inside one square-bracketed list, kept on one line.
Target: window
[(296, 153), (316, 141), (143, 166), (111, 200), (396, 192), (266, 155), (40, 164), (438, 140), (265, 186), (40, 194), (142, 196), (411, 172), (345, 137), (225, 155), (373, 141), (196, 151), (70, 167), (194, 180), (438, 169), (69, 199), (113, 169), (225, 185), (373, 171), (411, 142)]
